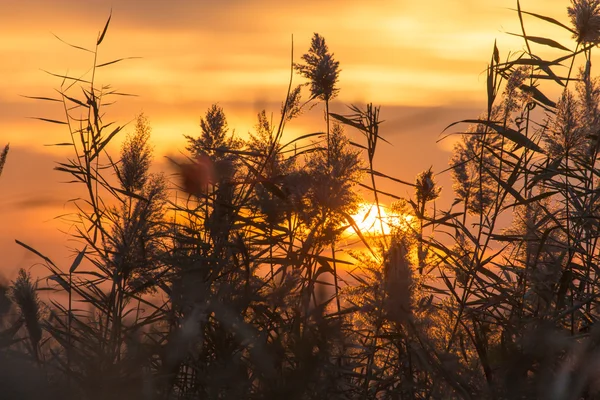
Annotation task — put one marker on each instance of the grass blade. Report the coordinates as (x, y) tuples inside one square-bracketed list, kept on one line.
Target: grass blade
[(101, 38)]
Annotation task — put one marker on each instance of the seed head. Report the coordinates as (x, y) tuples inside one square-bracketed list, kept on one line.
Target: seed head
[(398, 283), (24, 294), (136, 156), (426, 187), (321, 69), (585, 17)]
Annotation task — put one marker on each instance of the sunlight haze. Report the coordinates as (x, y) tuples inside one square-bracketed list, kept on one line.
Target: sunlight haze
[(423, 63)]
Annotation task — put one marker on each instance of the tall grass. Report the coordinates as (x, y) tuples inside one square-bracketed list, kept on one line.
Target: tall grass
[(224, 282)]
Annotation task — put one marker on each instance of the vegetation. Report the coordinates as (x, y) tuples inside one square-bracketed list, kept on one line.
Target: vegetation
[(3, 157), (229, 286)]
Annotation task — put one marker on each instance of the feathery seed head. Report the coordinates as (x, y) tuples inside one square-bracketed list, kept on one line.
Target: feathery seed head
[(321, 69), (398, 283), (24, 294), (136, 157), (585, 17), (426, 187)]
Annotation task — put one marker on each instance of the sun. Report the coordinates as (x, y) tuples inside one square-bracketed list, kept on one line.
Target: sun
[(368, 221)]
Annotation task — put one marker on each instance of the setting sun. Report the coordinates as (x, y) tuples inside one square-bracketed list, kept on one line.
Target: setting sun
[(370, 223)]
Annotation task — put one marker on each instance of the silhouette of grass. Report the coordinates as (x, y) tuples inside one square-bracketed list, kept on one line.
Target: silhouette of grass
[(225, 281)]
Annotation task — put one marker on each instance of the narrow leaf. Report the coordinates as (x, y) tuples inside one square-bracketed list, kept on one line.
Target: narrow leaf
[(74, 100), (271, 187), (104, 31), (496, 53), (505, 186), (41, 98), (59, 144), (34, 251), (547, 19), (115, 61), (65, 77), (49, 120), (77, 260), (348, 121), (72, 45), (358, 232), (542, 40), (308, 135), (538, 95), (507, 132), (60, 280)]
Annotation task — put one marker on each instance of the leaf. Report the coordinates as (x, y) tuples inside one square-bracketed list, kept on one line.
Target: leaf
[(547, 19), (496, 53), (74, 100), (529, 61), (104, 31), (41, 98), (382, 175), (108, 139), (348, 121), (31, 249), (393, 196), (130, 194), (533, 199), (542, 40), (360, 146), (548, 172), (543, 240), (49, 120), (522, 25), (564, 284), (308, 135), (93, 273), (505, 186), (77, 260), (552, 76), (65, 77), (59, 144), (582, 49), (322, 269), (442, 220), (115, 61), (271, 187), (72, 45), (122, 94), (358, 232), (491, 83), (538, 95), (509, 133), (61, 281), (238, 152)]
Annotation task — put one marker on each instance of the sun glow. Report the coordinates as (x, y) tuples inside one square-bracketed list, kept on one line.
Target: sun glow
[(370, 223)]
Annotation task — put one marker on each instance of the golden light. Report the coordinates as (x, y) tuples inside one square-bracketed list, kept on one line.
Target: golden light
[(370, 223)]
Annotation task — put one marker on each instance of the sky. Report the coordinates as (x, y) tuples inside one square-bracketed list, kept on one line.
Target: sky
[(423, 62)]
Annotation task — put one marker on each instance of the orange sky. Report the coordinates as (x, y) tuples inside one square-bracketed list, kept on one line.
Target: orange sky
[(422, 61)]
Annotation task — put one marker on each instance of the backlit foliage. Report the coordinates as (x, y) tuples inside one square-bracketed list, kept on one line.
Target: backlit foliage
[(235, 280)]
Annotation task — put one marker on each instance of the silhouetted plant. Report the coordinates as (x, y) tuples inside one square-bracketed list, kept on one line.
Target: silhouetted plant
[(24, 294), (3, 157), (321, 69), (222, 292)]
